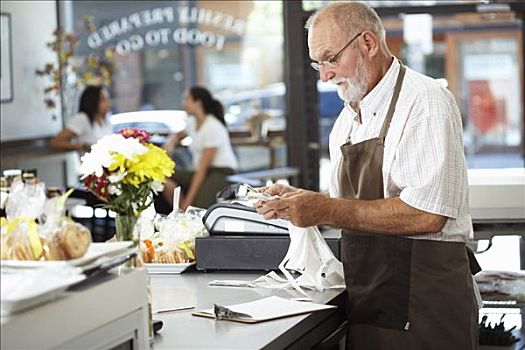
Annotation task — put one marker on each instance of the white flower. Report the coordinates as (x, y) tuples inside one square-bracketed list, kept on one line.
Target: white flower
[(129, 147), (101, 153), (93, 163), (117, 177), (156, 186), (114, 190)]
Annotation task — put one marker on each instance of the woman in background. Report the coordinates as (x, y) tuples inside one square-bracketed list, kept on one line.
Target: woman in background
[(80, 132), (213, 157), (89, 125)]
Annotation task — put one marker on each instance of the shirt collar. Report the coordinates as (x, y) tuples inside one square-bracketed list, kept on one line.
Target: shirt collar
[(377, 98)]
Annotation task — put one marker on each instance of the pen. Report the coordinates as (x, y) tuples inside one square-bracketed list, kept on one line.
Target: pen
[(175, 309)]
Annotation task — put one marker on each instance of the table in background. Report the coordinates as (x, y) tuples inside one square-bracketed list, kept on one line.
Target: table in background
[(272, 141)]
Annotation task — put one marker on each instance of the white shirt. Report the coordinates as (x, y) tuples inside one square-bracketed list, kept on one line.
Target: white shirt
[(87, 133), (213, 134), (424, 163)]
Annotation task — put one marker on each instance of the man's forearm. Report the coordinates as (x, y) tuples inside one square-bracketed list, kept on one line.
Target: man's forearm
[(384, 216)]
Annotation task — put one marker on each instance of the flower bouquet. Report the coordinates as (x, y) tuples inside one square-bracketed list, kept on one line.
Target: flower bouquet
[(124, 170)]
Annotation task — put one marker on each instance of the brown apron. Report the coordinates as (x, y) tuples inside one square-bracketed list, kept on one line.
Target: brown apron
[(402, 293)]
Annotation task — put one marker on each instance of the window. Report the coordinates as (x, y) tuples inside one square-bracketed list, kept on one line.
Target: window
[(479, 56), (488, 86), (161, 48)]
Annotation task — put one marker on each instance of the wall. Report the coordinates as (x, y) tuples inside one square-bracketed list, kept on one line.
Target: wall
[(26, 117)]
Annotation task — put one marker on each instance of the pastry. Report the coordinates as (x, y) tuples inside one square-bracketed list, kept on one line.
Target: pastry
[(21, 251), (52, 250), (74, 239)]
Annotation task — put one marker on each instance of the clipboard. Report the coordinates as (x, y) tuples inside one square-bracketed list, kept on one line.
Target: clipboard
[(266, 309)]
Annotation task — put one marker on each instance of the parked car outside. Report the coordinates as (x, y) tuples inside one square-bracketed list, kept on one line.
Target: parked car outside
[(242, 106)]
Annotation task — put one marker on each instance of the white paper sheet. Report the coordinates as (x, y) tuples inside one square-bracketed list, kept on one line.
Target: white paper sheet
[(270, 308)]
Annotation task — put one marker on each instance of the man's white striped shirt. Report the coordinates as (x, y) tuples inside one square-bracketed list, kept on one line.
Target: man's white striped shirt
[(424, 163)]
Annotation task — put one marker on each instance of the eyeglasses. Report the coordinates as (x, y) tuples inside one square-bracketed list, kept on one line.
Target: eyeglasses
[(331, 62)]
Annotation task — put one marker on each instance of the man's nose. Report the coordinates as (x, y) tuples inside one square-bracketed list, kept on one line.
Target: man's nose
[(325, 73)]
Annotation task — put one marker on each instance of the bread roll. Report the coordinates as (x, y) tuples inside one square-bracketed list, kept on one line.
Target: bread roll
[(52, 250), (74, 239)]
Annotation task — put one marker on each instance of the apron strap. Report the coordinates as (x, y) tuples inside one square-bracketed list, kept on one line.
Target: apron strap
[(393, 102), (473, 262)]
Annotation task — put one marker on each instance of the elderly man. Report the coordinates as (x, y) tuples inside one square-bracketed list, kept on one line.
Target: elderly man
[(398, 190)]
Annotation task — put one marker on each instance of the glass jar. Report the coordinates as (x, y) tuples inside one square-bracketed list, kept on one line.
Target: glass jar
[(11, 175)]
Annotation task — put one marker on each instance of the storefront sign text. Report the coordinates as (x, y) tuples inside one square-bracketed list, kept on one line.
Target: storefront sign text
[(183, 16)]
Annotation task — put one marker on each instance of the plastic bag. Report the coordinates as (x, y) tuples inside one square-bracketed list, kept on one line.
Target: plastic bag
[(172, 240), (25, 200), (20, 239), (310, 256), (52, 237)]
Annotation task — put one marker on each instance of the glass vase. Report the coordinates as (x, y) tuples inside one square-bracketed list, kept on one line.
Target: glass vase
[(125, 228), (125, 231)]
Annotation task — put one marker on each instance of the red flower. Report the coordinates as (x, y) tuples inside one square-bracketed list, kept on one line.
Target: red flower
[(98, 185), (142, 135)]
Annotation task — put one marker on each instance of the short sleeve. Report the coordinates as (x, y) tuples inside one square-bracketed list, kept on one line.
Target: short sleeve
[(79, 124), (212, 135), (430, 163)]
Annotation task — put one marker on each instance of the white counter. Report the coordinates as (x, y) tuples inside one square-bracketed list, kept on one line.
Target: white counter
[(101, 315), (181, 330)]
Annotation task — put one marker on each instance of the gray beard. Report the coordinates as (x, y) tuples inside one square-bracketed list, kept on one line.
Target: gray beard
[(355, 88)]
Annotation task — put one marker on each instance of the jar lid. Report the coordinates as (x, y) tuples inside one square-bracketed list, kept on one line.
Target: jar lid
[(53, 192), (29, 178), (12, 172)]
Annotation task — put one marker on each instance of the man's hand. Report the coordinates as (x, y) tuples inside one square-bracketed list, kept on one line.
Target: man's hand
[(390, 216), (277, 189), (302, 208)]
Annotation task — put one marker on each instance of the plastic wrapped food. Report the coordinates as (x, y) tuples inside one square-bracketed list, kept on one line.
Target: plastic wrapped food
[(173, 241), (36, 228), (21, 241)]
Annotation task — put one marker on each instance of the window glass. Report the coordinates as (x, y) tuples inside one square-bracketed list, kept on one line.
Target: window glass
[(161, 48), (480, 58), (490, 95)]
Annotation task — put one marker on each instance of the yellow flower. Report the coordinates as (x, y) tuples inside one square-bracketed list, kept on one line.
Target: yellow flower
[(119, 162), (126, 171), (153, 165)]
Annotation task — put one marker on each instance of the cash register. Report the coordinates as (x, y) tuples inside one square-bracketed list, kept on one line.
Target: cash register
[(242, 239)]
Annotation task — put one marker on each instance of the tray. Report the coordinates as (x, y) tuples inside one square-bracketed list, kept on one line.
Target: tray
[(168, 269), (95, 251)]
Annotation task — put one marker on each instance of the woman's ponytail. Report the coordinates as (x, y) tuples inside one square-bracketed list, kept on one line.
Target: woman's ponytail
[(217, 110), (209, 104)]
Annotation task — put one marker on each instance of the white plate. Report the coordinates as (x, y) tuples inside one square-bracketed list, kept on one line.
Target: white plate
[(95, 251), (160, 269)]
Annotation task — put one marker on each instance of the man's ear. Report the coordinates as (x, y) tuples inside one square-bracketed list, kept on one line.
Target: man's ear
[(371, 42)]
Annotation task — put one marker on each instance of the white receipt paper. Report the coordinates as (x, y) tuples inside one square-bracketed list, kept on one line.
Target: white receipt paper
[(269, 308)]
